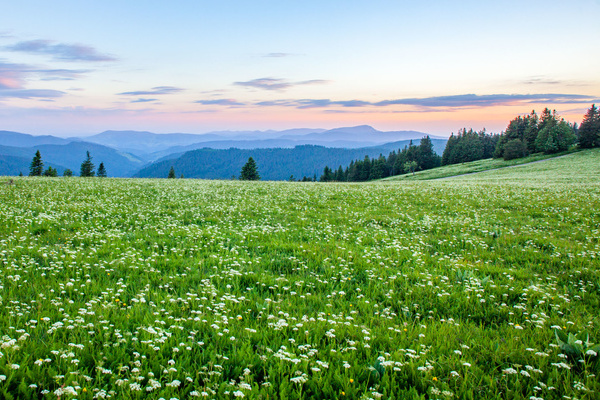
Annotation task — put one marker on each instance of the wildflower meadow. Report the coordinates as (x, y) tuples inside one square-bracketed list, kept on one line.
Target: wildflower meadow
[(479, 287)]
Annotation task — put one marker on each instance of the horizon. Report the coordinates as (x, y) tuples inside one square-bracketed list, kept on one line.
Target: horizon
[(222, 132), (197, 67)]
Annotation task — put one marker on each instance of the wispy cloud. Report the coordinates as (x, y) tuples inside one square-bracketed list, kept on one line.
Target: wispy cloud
[(426, 104), (541, 80), (30, 93), (13, 79), (277, 55), (456, 101), (220, 102), (15, 75), (12, 76), (473, 100), (155, 91), (61, 74), (143, 100), (277, 84), (320, 103), (60, 51)]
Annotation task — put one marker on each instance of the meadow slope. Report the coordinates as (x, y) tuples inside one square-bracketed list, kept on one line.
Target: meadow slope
[(452, 170), (178, 289)]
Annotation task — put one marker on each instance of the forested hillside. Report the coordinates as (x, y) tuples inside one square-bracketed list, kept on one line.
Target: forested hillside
[(70, 155), (273, 164)]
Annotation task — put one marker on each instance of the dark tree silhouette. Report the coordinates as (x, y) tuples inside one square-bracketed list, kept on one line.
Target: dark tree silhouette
[(250, 171), (37, 165), (589, 131), (87, 168), (101, 171)]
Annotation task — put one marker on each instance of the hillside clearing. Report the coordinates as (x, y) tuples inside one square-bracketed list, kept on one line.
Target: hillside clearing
[(174, 288), (471, 167)]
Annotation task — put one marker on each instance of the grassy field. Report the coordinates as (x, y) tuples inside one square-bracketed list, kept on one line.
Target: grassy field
[(471, 167), (480, 287)]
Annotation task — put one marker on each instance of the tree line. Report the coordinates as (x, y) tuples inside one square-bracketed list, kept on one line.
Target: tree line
[(408, 160), (547, 134), (524, 135), (87, 169)]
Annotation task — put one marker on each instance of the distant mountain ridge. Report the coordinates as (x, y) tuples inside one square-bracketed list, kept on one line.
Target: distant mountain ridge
[(127, 153), (16, 139), (144, 143)]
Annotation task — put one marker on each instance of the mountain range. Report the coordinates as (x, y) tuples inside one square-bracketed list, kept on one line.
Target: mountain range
[(144, 154)]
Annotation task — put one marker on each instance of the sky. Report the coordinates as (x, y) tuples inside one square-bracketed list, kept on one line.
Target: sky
[(81, 67)]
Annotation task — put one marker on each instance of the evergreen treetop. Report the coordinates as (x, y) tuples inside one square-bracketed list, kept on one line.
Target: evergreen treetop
[(101, 171), (589, 131), (250, 171), (37, 165), (87, 168), (51, 172)]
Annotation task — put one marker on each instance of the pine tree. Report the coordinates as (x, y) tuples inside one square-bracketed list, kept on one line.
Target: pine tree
[(68, 172), (447, 156), (37, 165), (327, 175), (51, 172), (589, 131), (171, 173), (87, 168), (101, 171), (426, 157), (339, 174), (555, 138), (250, 171)]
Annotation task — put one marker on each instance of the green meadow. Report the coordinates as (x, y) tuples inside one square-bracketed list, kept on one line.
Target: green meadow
[(473, 167), (476, 287)]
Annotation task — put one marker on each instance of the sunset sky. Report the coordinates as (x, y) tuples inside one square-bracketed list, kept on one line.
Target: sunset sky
[(82, 67)]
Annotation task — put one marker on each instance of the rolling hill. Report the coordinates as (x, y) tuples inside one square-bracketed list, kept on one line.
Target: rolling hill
[(70, 155), (273, 164)]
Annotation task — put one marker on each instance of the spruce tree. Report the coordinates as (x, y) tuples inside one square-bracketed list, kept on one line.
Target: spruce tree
[(51, 172), (327, 175), (171, 173), (87, 168), (37, 165), (250, 171), (339, 174), (589, 131), (426, 157), (101, 171), (555, 137)]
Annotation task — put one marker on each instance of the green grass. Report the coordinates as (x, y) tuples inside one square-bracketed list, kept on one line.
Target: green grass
[(471, 167), (176, 288)]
